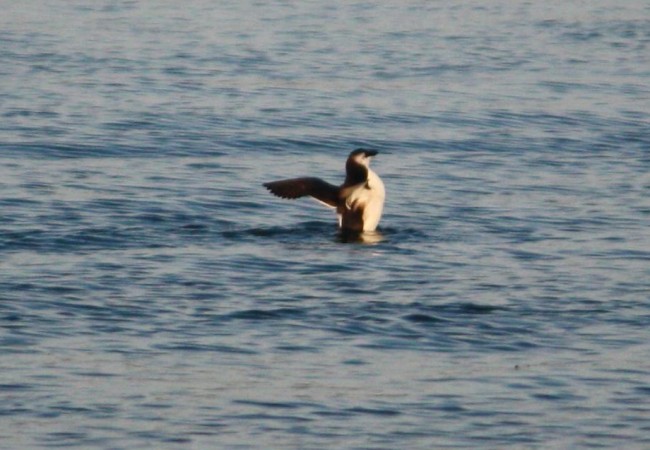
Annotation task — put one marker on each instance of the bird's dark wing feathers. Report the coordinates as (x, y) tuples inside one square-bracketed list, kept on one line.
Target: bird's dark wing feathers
[(301, 187)]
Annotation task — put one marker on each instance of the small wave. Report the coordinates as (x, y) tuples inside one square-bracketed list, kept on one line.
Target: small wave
[(299, 231), (82, 239), (197, 347), (406, 234), (272, 405), (374, 411), (474, 308), (306, 230), (261, 314), (422, 318)]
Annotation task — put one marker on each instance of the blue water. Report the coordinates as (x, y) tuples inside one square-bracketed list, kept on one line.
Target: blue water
[(154, 295)]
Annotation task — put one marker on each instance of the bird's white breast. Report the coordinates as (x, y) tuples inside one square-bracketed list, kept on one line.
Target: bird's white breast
[(365, 201)]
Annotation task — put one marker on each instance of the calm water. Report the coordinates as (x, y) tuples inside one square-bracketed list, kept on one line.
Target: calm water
[(154, 295)]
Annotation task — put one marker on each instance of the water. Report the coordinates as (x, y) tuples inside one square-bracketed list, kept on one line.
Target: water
[(154, 295)]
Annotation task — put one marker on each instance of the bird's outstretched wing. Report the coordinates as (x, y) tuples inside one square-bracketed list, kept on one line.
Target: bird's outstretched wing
[(300, 187)]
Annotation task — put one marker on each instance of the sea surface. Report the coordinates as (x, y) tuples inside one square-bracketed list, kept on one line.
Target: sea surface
[(153, 295)]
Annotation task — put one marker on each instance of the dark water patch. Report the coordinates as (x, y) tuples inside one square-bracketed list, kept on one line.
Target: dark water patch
[(643, 390), (156, 405), (151, 218), (126, 125), (118, 204), (423, 318), (551, 397), (11, 387), (354, 362), (21, 202), (380, 412), (65, 438), (627, 254), (13, 240), (159, 436), (63, 151), (11, 318), (449, 406), (12, 411), (395, 234), (192, 347), (19, 343), (96, 238), (473, 308), (177, 440), (263, 418), (23, 113), (209, 166), (273, 405), (109, 266), (533, 256), (351, 288), (194, 229), (83, 239), (514, 230), (298, 348), (259, 314), (327, 232), (297, 232), (96, 374)]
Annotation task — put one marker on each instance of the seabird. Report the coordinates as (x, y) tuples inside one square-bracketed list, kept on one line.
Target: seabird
[(359, 201)]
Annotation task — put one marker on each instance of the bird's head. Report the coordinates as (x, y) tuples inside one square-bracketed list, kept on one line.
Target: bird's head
[(362, 156)]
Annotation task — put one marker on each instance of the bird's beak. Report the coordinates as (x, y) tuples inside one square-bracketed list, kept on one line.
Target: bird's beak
[(370, 152)]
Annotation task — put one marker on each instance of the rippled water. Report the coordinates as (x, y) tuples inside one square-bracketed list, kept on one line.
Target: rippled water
[(154, 295)]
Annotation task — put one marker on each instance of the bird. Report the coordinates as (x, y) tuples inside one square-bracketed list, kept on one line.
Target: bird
[(359, 201)]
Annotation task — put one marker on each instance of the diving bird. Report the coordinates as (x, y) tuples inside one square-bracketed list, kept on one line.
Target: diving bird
[(359, 201)]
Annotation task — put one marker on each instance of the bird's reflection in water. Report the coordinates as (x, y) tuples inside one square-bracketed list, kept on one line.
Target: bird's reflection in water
[(355, 237)]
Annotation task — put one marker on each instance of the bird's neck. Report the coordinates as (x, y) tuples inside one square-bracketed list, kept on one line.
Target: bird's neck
[(355, 173)]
